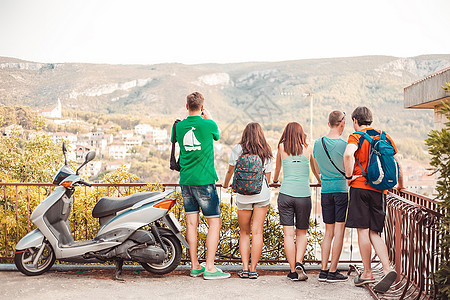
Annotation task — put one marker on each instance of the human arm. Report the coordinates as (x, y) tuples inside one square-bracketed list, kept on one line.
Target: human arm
[(268, 176), (315, 168), (276, 175), (226, 182), (215, 130), (206, 114), (400, 185), (349, 162)]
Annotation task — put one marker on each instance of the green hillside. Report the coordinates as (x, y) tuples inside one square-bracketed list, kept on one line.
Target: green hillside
[(268, 92)]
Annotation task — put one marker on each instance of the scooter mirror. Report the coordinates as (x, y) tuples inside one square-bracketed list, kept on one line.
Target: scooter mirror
[(64, 149), (90, 156)]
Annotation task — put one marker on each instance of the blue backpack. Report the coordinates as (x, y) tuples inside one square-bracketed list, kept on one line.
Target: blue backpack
[(382, 169)]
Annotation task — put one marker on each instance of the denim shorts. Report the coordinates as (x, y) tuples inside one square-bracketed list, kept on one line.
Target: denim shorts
[(249, 206), (201, 196), (334, 207)]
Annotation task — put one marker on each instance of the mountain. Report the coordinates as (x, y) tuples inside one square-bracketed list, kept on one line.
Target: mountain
[(271, 93)]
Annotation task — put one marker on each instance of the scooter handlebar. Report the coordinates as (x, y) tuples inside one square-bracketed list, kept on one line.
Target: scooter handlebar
[(85, 183)]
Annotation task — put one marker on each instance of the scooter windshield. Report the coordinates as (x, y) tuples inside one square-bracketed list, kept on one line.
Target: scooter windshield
[(62, 174)]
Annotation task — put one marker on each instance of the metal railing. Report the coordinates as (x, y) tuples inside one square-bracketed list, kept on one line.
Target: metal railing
[(412, 239), (410, 230), (17, 201)]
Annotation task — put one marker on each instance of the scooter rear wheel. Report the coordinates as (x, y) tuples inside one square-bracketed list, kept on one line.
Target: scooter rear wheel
[(24, 260), (173, 259)]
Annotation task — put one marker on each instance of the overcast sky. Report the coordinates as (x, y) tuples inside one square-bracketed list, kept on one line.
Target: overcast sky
[(148, 32)]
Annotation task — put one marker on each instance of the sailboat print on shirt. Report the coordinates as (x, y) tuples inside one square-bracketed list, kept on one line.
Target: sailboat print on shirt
[(190, 142)]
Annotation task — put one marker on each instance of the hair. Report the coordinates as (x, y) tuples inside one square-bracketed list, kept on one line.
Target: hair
[(293, 139), (253, 142), (195, 101), (363, 115), (335, 118)]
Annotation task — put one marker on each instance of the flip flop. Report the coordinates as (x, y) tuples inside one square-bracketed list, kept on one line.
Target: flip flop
[(361, 281), (253, 275), (243, 273), (385, 283)]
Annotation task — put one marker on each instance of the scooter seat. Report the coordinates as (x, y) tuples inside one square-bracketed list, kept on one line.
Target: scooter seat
[(110, 205)]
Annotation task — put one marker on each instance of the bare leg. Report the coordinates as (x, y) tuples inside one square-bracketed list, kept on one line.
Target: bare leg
[(289, 245), (365, 249), (191, 237), (338, 241), (301, 244), (381, 250), (259, 215), (212, 241), (244, 219), (326, 245)]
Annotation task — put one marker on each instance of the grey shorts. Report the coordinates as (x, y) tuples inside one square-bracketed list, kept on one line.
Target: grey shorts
[(249, 206), (294, 211)]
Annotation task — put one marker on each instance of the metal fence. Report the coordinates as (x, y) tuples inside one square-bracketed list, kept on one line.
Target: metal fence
[(412, 239), (17, 200), (410, 230)]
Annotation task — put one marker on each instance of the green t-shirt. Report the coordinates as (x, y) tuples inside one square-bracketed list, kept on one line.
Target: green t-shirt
[(195, 136)]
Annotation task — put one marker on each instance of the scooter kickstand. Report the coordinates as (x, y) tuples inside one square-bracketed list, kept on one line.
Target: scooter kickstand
[(118, 271)]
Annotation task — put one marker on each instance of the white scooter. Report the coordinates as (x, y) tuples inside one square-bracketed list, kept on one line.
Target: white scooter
[(121, 236)]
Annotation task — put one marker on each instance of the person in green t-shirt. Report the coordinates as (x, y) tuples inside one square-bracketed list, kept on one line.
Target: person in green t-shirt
[(195, 135)]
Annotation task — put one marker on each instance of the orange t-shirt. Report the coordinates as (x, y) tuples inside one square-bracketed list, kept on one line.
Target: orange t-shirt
[(362, 154)]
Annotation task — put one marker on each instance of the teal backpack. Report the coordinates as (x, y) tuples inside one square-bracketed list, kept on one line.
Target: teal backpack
[(248, 175), (382, 169)]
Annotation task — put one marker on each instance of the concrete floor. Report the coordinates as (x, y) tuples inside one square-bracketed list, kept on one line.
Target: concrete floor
[(97, 284)]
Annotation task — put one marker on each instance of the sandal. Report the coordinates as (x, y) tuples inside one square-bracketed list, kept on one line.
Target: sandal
[(243, 274), (253, 275)]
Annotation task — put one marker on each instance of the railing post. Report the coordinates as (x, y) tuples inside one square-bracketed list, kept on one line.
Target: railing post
[(397, 243)]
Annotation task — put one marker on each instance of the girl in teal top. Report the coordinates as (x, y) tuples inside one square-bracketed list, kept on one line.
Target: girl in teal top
[(294, 199)]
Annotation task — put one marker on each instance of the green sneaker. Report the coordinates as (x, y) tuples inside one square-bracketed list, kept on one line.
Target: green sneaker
[(218, 274), (196, 273)]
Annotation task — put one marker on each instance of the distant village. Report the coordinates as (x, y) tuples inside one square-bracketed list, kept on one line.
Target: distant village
[(116, 148)]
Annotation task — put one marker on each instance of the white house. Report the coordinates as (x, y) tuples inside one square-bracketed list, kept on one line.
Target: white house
[(142, 129), (59, 136), (117, 151), (53, 112), (157, 136)]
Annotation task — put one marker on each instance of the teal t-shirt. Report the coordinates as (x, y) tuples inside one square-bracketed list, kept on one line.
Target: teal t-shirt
[(195, 136), (295, 176), (332, 180)]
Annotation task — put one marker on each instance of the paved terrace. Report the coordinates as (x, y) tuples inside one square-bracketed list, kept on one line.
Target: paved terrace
[(64, 282)]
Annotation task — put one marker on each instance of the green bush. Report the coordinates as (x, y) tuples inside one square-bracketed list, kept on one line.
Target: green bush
[(439, 147)]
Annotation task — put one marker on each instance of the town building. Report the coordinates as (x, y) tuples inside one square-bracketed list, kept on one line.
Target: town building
[(52, 112)]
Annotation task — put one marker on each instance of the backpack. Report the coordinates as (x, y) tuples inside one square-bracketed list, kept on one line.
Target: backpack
[(174, 162), (382, 169), (248, 175)]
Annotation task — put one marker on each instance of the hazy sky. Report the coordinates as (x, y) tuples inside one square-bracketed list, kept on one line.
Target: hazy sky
[(147, 32)]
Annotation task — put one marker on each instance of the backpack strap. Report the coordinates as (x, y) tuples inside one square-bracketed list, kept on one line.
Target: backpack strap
[(329, 157), (364, 135), (174, 163)]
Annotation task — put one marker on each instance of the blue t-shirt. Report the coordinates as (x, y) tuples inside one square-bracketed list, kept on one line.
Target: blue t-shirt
[(332, 180)]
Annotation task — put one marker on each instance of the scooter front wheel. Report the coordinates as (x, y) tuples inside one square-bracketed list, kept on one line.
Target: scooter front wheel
[(35, 261), (171, 261)]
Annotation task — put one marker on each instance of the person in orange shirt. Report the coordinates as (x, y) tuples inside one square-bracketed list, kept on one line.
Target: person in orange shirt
[(367, 205)]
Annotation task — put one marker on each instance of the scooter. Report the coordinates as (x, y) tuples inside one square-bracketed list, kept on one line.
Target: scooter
[(121, 236)]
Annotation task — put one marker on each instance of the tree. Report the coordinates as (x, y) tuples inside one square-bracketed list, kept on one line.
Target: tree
[(439, 147), (28, 160)]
